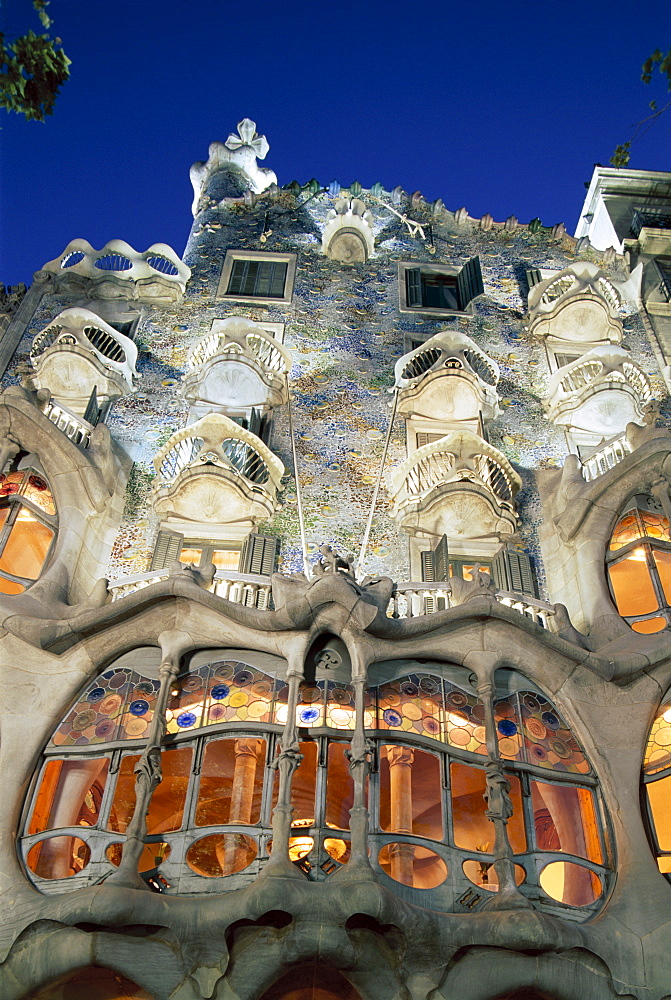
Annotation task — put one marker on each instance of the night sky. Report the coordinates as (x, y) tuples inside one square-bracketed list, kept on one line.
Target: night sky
[(501, 107)]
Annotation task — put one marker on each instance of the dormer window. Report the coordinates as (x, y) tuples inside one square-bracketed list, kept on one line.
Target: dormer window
[(439, 289), (257, 277)]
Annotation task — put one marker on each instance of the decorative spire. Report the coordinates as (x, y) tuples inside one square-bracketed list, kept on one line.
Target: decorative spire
[(239, 153)]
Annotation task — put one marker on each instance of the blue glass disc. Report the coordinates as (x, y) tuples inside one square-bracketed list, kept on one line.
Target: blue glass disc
[(308, 715), (507, 728), (550, 720), (185, 720), (391, 717), (138, 707), (96, 694), (219, 691)]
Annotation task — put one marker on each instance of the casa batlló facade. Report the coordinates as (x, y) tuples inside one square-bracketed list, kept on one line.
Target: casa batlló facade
[(335, 579)]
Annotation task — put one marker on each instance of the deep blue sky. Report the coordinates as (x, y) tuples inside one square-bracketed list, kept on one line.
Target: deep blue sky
[(503, 107)]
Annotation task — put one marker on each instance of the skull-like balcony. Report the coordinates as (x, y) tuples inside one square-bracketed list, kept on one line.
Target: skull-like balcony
[(238, 365), (216, 472), (458, 486), (580, 305), (77, 353), (596, 396), (449, 378)]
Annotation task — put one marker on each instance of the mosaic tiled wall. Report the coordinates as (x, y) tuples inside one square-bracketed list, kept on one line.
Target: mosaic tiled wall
[(345, 333)]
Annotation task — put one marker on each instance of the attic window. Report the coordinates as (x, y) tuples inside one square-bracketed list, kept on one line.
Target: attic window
[(436, 289), (258, 277)]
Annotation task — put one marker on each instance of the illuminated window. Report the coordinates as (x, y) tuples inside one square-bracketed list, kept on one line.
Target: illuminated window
[(27, 528), (210, 817), (657, 782), (257, 277), (639, 566)]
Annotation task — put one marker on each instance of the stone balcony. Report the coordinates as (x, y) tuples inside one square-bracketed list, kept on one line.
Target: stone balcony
[(237, 362), (117, 271), (599, 394), (450, 379), (460, 486), (79, 352), (216, 472)]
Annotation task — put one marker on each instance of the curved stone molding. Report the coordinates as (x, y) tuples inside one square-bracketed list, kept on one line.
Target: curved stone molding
[(215, 471), (348, 234), (459, 485), (581, 305), (118, 271), (79, 352), (239, 153), (448, 378), (599, 394), (239, 365)]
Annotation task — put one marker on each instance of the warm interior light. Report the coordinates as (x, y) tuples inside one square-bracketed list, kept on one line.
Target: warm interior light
[(667, 715), (457, 720), (638, 555)]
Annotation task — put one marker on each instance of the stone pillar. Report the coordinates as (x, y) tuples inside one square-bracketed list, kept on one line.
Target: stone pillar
[(400, 794), (499, 807), (148, 771), (242, 800)]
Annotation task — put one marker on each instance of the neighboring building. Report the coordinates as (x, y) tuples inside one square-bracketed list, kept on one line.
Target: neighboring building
[(335, 577)]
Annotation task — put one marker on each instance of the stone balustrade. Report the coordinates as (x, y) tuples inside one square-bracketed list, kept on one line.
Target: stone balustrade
[(606, 457), (74, 427), (247, 589)]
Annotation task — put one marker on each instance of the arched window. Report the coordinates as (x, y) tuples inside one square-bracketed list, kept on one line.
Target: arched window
[(639, 566), (209, 822), (27, 528), (312, 982), (657, 783), (94, 984)]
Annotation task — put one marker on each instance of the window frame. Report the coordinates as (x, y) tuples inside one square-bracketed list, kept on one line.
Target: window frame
[(234, 255), (14, 502), (649, 545), (449, 270)]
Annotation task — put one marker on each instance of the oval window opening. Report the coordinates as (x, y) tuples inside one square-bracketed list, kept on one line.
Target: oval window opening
[(570, 883), (221, 854), (412, 865), (58, 857), (483, 874), (152, 855), (338, 849)]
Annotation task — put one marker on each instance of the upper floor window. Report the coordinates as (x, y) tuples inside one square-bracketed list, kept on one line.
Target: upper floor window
[(27, 528), (257, 554), (639, 566), (438, 288), (657, 782), (258, 277)]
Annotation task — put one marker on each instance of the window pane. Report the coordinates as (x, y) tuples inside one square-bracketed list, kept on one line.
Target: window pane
[(226, 559), (626, 530), (663, 564), (570, 883), (565, 820), (339, 787), (410, 792), (632, 586), (26, 547), (10, 587), (167, 803), (472, 829), (659, 796), (440, 290), (69, 794), (190, 555), (303, 787), (58, 857), (412, 865), (231, 782)]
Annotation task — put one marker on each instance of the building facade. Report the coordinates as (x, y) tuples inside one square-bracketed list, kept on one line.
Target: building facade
[(335, 579)]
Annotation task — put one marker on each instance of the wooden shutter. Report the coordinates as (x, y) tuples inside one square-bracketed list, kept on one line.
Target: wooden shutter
[(511, 571), (441, 561), (469, 282), (413, 286), (534, 277), (424, 437), (238, 277), (92, 411), (259, 554), (428, 571), (167, 549)]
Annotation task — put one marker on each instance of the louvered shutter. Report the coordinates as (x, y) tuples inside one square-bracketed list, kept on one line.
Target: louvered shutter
[(469, 282), (534, 277), (512, 571), (423, 437), (428, 570), (259, 554), (167, 549), (413, 286), (238, 277), (441, 561), (92, 411)]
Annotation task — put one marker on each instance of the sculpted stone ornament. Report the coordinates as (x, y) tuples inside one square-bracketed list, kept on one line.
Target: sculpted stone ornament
[(200, 575), (239, 153), (499, 810), (481, 585), (334, 583), (348, 235)]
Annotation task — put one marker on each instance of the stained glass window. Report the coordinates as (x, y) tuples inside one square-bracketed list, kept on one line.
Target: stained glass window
[(657, 779), (639, 566), (27, 528)]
